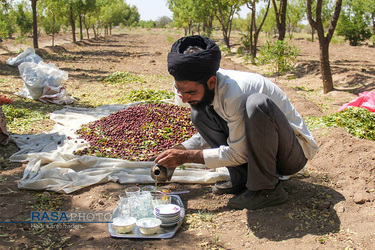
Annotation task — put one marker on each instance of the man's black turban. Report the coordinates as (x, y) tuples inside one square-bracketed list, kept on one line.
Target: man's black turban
[(203, 62)]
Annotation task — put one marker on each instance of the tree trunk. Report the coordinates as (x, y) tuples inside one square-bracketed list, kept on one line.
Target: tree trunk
[(80, 28), (325, 66), (226, 20), (207, 25), (226, 39), (254, 31), (72, 23), (252, 27), (35, 24), (373, 27), (93, 28), (280, 14), (282, 30), (324, 41), (53, 30), (87, 27), (210, 22), (226, 34)]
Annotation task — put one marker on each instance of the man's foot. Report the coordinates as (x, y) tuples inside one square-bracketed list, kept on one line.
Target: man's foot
[(228, 188), (259, 199)]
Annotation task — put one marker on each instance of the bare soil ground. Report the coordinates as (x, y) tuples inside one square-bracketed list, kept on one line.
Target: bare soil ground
[(333, 208)]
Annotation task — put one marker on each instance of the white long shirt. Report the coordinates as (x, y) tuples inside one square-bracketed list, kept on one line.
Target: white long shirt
[(231, 91)]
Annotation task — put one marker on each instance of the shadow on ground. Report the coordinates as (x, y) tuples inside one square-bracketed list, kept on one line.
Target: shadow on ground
[(309, 211)]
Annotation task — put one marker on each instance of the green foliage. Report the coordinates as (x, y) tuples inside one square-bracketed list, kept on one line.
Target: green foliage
[(338, 40), (244, 51), (269, 26), (51, 16), (147, 24), (163, 22), (7, 21), (372, 39), (240, 24), (207, 32), (47, 202), (191, 14), (225, 50), (51, 27), (121, 77), (20, 118), (240, 50), (171, 39), (359, 122), (205, 215), (245, 41), (116, 12), (295, 13), (354, 27), (148, 95), (24, 20), (279, 55)]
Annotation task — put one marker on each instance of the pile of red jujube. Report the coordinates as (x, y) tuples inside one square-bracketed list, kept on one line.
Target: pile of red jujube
[(5, 100), (137, 133)]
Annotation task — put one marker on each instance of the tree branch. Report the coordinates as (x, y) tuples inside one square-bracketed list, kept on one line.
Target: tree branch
[(309, 16), (335, 18)]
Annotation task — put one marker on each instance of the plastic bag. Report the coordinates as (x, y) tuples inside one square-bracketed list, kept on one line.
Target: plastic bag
[(38, 76), (57, 95), (27, 56), (364, 100)]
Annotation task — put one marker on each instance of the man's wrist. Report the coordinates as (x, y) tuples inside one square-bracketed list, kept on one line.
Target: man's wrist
[(195, 156), (179, 146)]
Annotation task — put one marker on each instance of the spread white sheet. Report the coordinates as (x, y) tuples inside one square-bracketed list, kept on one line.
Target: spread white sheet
[(51, 164)]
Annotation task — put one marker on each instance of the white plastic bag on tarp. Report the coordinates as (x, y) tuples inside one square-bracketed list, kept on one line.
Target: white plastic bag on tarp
[(43, 81), (57, 95), (27, 56)]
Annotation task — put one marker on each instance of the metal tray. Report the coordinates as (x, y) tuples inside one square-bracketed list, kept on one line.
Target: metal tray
[(162, 233)]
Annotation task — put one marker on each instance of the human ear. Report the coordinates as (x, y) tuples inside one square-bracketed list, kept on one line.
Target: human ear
[(211, 82)]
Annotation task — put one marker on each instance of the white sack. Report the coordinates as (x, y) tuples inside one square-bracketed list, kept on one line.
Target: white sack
[(37, 76), (27, 56), (41, 81)]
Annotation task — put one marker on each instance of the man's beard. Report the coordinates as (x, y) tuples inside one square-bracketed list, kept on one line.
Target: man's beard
[(207, 99)]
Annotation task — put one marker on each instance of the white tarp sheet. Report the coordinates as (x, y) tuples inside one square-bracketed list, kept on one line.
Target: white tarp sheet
[(51, 164)]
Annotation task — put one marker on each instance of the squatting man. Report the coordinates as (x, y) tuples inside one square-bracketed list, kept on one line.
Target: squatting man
[(244, 121)]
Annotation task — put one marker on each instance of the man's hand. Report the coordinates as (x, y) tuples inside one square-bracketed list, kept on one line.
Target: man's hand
[(178, 146), (173, 158)]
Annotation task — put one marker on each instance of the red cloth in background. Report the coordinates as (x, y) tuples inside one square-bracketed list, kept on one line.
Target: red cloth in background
[(365, 100)]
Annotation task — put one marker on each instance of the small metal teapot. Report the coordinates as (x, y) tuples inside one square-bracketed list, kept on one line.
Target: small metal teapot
[(161, 173)]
